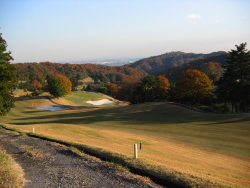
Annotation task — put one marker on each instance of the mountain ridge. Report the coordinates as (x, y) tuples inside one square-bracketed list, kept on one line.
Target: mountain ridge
[(159, 63)]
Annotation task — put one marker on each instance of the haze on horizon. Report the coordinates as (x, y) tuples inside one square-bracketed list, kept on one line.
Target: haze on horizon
[(63, 30)]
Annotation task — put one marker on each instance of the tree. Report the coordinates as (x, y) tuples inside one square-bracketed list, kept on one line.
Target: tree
[(213, 70), (194, 87), (36, 84), (8, 79), (234, 86), (151, 89), (113, 89), (74, 82), (55, 87), (59, 85), (163, 87), (65, 81)]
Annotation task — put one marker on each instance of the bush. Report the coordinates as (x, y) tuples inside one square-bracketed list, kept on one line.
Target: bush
[(224, 107), (36, 93), (206, 108)]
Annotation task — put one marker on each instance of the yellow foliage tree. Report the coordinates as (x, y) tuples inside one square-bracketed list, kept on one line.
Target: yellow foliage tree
[(194, 87), (65, 82)]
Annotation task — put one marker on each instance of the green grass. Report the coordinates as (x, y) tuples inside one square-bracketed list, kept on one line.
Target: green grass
[(88, 95), (79, 99)]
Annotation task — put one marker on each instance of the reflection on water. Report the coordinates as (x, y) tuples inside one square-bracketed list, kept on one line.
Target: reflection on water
[(52, 108)]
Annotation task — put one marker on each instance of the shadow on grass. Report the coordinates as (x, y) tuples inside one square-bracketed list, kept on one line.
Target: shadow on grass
[(23, 98), (161, 113), (243, 119)]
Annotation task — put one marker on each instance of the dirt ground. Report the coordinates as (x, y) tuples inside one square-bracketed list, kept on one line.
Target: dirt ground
[(48, 164)]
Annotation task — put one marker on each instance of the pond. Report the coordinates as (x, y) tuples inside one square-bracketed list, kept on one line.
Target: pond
[(52, 108)]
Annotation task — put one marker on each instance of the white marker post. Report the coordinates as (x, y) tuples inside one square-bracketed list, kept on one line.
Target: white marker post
[(33, 129), (136, 151)]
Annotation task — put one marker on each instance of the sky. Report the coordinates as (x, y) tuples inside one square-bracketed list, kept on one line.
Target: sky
[(73, 30)]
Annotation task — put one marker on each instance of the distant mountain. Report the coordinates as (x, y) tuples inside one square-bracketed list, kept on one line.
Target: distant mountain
[(210, 65), (109, 62), (157, 64)]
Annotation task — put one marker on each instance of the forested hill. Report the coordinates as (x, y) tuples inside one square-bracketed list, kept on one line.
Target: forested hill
[(210, 66), (104, 73), (157, 64)]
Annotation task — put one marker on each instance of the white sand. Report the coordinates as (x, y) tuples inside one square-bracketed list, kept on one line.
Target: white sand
[(101, 102)]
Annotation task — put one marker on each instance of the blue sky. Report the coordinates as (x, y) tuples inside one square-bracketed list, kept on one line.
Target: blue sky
[(67, 30)]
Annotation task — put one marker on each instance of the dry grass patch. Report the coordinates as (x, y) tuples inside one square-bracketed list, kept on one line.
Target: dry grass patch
[(21, 92), (171, 157), (11, 174)]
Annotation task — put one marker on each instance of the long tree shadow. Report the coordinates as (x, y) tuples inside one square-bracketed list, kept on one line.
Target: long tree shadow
[(134, 114)]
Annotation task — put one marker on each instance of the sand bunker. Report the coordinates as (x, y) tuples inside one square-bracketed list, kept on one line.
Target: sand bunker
[(51, 108), (101, 102)]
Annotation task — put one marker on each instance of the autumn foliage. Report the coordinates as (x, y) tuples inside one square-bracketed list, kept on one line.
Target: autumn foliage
[(151, 89), (59, 85), (194, 87), (114, 89), (65, 82), (163, 87), (36, 84), (100, 73)]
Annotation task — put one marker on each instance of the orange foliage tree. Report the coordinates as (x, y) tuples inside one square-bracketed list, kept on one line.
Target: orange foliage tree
[(194, 87), (64, 82), (163, 87), (113, 89), (36, 84)]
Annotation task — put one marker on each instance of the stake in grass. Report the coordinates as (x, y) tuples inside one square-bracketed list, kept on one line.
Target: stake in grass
[(136, 151)]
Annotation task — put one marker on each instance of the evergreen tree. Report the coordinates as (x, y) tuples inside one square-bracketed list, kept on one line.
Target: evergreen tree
[(55, 87), (234, 86), (8, 79)]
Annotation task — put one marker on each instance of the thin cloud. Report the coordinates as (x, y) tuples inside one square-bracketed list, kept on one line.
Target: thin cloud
[(218, 20), (244, 17), (194, 16)]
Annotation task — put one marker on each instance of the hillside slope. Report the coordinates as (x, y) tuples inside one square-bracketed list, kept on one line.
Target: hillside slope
[(157, 64), (210, 66), (40, 71)]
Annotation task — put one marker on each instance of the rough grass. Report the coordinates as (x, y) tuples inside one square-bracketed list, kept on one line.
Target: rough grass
[(180, 144), (11, 174)]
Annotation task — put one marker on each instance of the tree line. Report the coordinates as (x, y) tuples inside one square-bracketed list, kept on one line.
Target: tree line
[(228, 93)]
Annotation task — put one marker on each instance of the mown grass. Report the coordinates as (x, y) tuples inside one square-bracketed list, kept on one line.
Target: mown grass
[(180, 144), (88, 95), (80, 99), (11, 174)]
